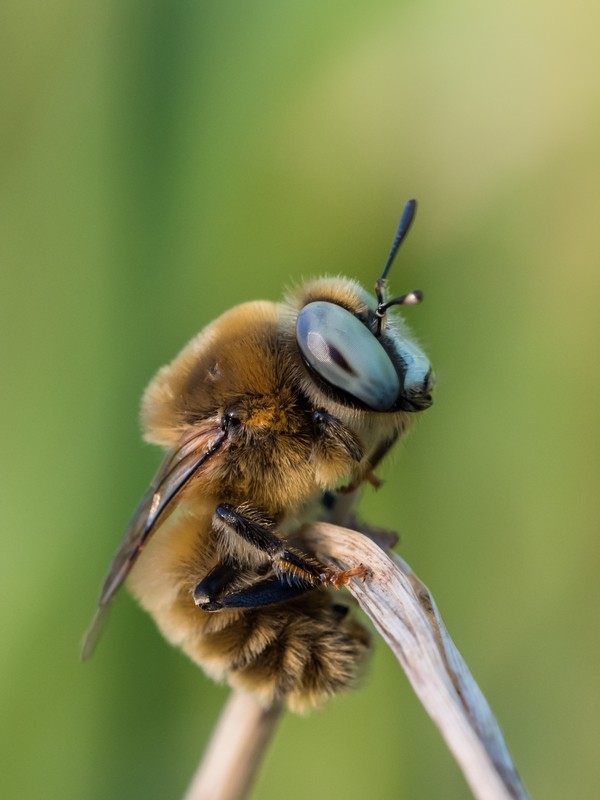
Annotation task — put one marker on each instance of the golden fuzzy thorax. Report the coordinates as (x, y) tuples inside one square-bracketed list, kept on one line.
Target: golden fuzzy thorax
[(247, 365)]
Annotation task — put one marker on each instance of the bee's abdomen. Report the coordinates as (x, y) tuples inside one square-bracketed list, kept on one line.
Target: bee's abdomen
[(300, 652)]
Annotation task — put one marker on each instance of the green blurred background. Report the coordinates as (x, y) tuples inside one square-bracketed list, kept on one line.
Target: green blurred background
[(163, 161)]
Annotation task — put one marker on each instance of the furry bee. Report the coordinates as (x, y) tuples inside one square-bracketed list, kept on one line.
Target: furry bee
[(264, 415)]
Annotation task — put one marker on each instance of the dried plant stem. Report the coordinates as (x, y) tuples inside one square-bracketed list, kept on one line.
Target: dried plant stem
[(405, 614), (235, 751), (403, 611)]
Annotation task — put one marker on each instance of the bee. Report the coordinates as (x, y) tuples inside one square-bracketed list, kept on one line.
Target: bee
[(265, 415)]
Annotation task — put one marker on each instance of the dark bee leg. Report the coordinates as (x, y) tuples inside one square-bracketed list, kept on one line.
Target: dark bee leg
[(382, 450), (212, 587), (332, 435), (259, 535), (215, 591), (284, 560), (331, 432)]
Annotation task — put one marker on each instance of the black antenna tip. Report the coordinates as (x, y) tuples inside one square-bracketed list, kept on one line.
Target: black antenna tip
[(408, 215), (410, 209)]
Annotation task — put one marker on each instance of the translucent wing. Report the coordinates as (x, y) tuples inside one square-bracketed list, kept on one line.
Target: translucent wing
[(180, 465)]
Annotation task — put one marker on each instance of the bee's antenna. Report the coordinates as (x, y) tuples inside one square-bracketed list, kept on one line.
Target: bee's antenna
[(410, 209), (410, 299)]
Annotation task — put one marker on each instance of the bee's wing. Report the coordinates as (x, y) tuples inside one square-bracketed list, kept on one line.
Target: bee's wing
[(180, 465)]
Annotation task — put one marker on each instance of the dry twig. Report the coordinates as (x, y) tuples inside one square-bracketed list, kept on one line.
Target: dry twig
[(405, 614), (236, 750)]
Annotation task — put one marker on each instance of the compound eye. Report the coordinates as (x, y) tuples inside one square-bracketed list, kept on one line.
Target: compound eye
[(344, 352)]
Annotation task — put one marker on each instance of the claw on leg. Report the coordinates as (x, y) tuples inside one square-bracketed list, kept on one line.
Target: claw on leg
[(339, 578)]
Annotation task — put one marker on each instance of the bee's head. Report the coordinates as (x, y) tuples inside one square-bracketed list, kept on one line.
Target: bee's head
[(355, 349)]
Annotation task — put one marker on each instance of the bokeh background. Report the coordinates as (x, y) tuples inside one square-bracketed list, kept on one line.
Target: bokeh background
[(161, 162)]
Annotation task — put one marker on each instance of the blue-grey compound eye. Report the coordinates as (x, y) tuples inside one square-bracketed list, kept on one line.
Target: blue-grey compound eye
[(346, 354), (418, 376)]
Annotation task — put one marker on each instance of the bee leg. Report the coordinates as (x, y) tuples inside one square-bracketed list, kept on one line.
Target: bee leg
[(382, 450), (209, 591), (331, 432), (212, 593), (257, 532), (286, 561), (374, 459)]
